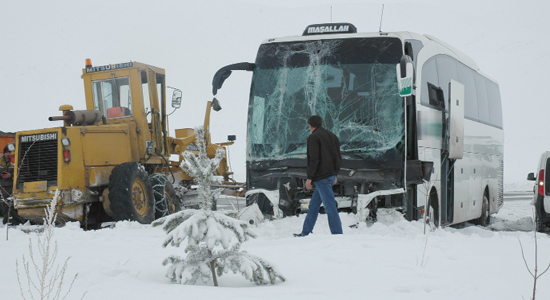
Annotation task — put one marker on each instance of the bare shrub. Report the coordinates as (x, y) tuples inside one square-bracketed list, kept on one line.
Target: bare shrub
[(534, 273), (47, 284)]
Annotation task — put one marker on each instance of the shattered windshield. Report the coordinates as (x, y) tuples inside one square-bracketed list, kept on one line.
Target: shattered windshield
[(350, 83)]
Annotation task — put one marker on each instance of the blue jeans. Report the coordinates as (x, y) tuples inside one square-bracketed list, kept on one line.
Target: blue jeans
[(323, 194)]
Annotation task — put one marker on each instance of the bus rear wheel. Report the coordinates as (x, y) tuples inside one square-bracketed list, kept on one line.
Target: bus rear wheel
[(485, 217)]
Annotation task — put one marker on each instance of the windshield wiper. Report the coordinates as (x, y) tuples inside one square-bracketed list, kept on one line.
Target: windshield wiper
[(354, 153), (114, 90)]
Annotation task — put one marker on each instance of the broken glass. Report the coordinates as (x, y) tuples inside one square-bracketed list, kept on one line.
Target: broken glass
[(350, 83)]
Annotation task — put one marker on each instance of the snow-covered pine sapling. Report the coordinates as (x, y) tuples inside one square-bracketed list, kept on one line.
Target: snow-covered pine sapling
[(213, 238), (202, 169)]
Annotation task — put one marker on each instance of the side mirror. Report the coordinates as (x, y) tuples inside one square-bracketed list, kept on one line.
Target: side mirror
[(405, 73), (223, 73), (176, 99), (216, 105), (531, 177)]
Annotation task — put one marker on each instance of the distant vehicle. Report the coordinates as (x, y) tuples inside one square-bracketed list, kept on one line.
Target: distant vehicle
[(542, 193), (6, 138), (420, 125)]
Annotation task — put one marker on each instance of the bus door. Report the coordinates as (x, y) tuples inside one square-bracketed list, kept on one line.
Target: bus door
[(453, 150), (475, 200)]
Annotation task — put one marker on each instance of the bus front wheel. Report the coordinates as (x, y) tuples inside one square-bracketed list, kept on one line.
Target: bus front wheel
[(485, 217), (433, 208)]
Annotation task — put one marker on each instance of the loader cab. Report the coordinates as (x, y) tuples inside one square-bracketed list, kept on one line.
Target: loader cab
[(134, 94), (113, 97)]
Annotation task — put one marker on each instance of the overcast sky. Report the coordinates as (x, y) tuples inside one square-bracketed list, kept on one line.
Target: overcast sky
[(44, 44)]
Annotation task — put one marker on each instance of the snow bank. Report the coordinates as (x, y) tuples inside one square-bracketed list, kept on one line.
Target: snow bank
[(392, 259)]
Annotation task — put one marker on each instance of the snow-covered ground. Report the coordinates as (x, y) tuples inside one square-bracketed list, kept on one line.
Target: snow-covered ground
[(392, 259), (44, 45)]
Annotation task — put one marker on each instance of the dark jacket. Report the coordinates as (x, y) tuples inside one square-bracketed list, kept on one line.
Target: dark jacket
[(6, 166), (323, 154)]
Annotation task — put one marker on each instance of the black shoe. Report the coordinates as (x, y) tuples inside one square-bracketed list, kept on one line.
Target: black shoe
[(298, 235)]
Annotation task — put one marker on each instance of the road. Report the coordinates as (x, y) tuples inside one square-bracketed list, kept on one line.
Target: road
[(516, 214)]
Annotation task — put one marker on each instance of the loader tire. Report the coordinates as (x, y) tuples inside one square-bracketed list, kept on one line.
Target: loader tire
[(166, 200), (3, 207), (131, 193), (14, 218)]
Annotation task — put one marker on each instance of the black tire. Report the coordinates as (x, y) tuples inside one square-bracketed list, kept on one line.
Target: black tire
[(485, 217), (5, 193), (166, 200), (539, 227), (131, 193), (434, 206), (540, 216), (373, 211), (14, 218), (292, 210), (3, 207)]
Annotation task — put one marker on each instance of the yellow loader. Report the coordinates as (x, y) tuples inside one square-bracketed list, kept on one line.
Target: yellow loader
[(112, 160)]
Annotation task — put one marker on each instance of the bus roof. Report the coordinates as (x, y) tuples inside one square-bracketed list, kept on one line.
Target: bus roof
[(402, 35)]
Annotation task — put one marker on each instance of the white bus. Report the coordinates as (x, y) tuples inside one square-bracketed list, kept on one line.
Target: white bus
[(438, 150)]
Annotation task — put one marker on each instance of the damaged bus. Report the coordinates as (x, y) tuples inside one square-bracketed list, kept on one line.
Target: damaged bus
[(420, 126)]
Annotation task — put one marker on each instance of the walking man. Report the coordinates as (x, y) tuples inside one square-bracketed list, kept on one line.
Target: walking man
[(323, 164)]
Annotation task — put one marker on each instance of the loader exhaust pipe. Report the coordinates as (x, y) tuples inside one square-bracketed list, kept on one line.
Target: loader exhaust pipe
[(80, 117)]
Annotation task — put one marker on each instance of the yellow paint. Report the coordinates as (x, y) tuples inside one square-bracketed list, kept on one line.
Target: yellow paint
[(98, 176), (96, 149), (185, 132), (106, 145), (35, 186)]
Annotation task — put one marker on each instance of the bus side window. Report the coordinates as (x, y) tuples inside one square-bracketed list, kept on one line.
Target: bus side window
[(495, 106), (446, 70), (436, 96), (412, 47), (482, 100), (467, 77), (429, 76)]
